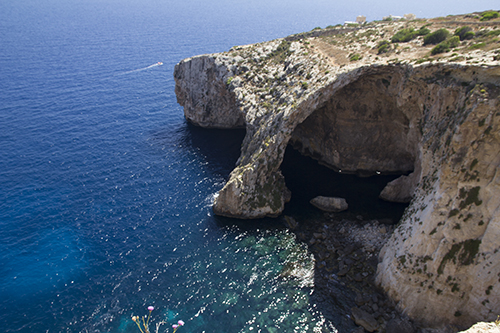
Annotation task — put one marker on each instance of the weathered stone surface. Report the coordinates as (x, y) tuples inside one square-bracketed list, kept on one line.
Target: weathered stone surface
[(364, 319), (201, 88), (441, 263), (437, 121), (483, 328), (330, 204)]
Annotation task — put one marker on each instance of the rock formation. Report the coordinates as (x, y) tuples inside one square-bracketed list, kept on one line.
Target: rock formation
[(434, 119), (330, 204)]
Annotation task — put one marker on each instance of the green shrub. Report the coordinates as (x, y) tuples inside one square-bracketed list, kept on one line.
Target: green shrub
[(477, 46), (436, 37), (383, 47), (407, 34), (493, 33), (469, 35), (464, 33), (454, 42), (424, 31), (404, 35), (489, 15), (354, 57), (440, 48), (446, 45), (281, 53)]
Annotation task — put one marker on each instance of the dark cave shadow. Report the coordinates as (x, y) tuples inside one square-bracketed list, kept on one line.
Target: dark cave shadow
[(306, 179)]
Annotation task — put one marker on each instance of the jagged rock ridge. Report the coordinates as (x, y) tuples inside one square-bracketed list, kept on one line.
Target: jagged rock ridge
[(437, 121)]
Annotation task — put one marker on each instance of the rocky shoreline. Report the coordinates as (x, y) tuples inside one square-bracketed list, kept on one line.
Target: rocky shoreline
[(346, 252)]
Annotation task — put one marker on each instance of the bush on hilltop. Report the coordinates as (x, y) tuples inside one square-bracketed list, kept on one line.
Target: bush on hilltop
[(489, 15), (407, 34), (436, 37)]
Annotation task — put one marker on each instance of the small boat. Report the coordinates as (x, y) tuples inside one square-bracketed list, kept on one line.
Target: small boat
[(159, 63)]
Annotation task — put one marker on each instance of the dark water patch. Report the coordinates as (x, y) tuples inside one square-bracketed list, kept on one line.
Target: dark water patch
[(306, 178), (220, 147)]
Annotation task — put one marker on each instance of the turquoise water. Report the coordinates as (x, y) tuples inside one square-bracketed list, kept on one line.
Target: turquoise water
[(106, 191)]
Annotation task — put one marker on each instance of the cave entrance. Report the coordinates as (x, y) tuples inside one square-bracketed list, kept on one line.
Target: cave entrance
[(306, 179), (364, 129)]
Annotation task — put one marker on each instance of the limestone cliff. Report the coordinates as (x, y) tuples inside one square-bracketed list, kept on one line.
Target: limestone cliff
[(339, 99)]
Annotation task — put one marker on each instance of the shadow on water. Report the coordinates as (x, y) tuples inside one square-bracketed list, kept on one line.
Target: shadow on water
[(306, 178), (220, 147)]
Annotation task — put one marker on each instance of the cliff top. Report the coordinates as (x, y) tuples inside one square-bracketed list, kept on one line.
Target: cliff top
[(466, 39)]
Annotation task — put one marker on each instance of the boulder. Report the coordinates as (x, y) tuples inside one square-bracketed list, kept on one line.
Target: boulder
[(329, 204)]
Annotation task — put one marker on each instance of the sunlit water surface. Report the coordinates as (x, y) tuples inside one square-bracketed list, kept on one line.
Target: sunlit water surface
[(106, 191)]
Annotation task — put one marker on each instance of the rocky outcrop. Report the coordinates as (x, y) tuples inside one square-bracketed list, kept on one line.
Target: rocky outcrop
[(436, 122), (441, 263), (204, 94)]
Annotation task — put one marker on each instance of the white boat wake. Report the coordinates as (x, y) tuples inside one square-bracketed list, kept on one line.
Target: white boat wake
[(159, 63)]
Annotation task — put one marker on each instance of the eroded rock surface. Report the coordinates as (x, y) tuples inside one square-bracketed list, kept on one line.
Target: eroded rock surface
[(438, 122)]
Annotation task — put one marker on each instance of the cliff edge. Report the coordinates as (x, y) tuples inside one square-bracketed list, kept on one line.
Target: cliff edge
[(360, 103)]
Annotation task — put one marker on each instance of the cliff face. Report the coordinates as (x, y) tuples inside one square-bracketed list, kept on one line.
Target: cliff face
[(437, 121)]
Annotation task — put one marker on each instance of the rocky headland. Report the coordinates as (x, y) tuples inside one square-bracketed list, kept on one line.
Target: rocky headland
[(418, 98)]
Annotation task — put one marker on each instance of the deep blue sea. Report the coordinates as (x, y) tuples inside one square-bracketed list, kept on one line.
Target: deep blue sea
[(106, 191)]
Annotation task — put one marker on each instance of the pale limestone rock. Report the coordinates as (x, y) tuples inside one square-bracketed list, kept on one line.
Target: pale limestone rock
[(442, 264), (483, 328), (440, 122), (201, 87), (330, 204)]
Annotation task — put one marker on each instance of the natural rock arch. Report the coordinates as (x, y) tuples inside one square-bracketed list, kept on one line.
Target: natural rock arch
[(441, 121), (362, 129)]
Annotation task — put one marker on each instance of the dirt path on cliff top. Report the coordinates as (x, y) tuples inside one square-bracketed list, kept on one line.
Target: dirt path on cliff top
[(335, 55)]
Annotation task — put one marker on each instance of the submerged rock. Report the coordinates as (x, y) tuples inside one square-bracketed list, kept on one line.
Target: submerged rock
[(330, 204)]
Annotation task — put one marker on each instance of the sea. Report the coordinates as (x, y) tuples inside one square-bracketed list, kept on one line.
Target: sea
[(106, 191)]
